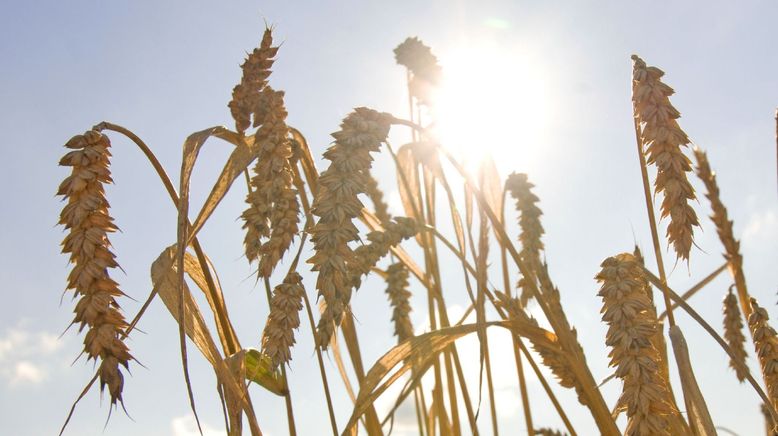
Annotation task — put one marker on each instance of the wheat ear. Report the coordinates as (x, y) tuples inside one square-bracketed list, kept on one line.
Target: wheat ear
[(733, 333), (723, 225), (256, 70), (520, 188), (88, 221), (284, 318), (423, 66), (663, 139), (631, 319), (766, 344), (399, 299), (336, 204)]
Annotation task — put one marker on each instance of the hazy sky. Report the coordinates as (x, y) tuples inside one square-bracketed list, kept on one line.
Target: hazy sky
[(166, 69)]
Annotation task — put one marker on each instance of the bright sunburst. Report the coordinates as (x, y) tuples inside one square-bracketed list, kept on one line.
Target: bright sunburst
[(494, 102)]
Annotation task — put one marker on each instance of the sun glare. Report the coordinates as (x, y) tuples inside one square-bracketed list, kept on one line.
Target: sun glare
[(493, 102)]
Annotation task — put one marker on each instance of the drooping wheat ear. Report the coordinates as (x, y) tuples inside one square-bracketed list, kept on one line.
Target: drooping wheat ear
[(631, 319), (520, 189), (377, 198), (399, 299), (88, 221), (723, 227), (336, 204), (256, 70), (662, 139), (733, 333), (284, 318), (367, 256), (766, 344), (550, 350), (422, 64), (273, 210)]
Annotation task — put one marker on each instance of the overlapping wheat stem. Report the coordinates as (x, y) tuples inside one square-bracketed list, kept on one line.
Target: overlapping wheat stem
[(336, 204), (88, 221), (733, 333), (631, 319), (662, 140), (766, 344), (548, 432), (520, 188), (284, 318), (271, 219), (723, 225), (399, 298)]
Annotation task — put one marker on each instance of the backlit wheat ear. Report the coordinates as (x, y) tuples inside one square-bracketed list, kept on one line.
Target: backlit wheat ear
[(336, 204), (733, 333), (631, 319), (367, 256), (284, 318), (723, 226), (256, 70), (274, 209), (520, 189), (423, 65), (88, 221), (766, 344), (377, 198), (399, 299), (551, 352), (662, 139)]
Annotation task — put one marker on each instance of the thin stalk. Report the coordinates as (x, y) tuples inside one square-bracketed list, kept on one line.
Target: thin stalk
[(321, 366), (287, 392), (596, 403), (652, 221), (516, 356), (693, 290)]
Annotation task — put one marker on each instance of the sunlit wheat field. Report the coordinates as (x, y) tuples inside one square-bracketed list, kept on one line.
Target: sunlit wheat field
[(389, 218)]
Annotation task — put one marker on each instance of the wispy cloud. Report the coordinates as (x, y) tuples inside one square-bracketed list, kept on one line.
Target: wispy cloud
[(187, 426), (24, 355), (762, 226)]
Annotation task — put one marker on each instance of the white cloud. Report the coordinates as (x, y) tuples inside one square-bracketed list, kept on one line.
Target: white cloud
[(187, 426), (27, 372), (762, 226), (24, 355)]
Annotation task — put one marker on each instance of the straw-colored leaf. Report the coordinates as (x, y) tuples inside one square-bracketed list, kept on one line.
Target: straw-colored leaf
[(408, 181)]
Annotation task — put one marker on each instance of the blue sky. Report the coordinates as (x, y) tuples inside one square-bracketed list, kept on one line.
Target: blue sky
[(166, 69)]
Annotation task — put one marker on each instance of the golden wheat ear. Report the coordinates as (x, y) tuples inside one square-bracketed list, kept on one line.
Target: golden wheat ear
[(336, 204), (631, 319), (88, 221), (284, 318), (662, 142)]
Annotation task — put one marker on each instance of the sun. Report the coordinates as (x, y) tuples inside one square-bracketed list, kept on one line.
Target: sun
[(492, 101)]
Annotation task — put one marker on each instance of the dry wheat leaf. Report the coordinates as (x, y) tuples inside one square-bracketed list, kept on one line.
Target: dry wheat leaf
[(418, 353), (163, 275), (491, 186)]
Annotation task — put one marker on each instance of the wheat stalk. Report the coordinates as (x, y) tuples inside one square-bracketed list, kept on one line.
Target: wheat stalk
[(631, 319), (336, 204), (88, 221), (662, 139)]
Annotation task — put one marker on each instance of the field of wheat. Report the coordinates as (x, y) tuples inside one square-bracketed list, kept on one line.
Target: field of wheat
[(332, 218)]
